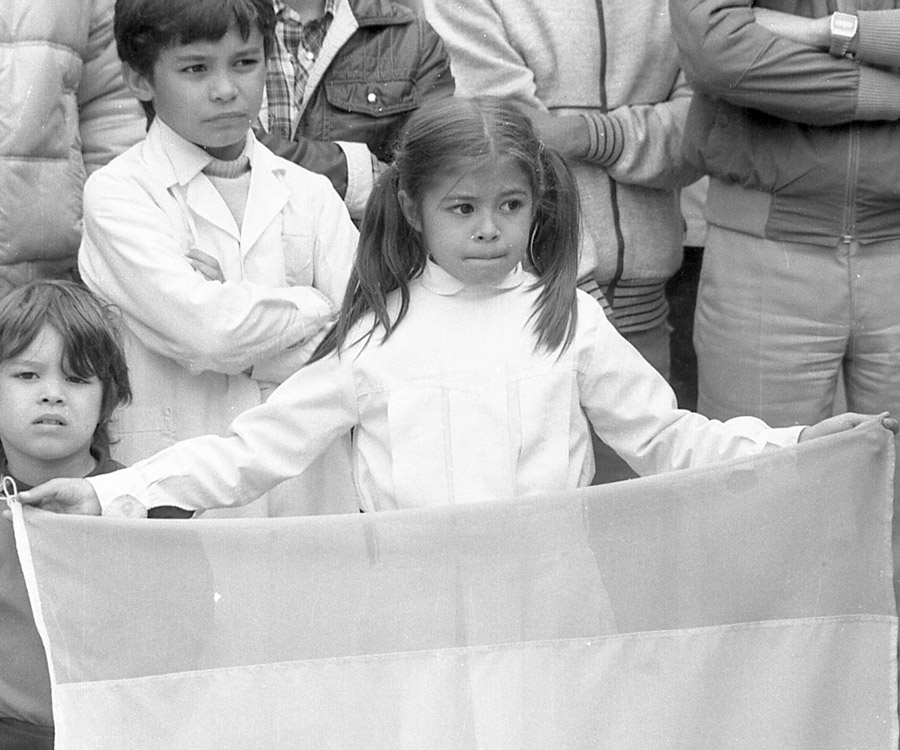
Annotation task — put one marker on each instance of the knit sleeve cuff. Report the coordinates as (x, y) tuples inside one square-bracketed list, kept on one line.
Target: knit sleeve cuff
[(605, 138), (878, 34), (879, 95)]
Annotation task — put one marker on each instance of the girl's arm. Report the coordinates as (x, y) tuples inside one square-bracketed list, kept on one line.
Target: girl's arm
[(265, 446), (634, 411)]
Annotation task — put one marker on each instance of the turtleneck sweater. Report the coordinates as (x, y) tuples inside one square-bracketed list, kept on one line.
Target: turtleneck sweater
[(232, 180)]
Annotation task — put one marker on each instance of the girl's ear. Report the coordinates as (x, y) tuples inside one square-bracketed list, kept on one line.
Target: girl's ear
[(410, 210), (138, 83)]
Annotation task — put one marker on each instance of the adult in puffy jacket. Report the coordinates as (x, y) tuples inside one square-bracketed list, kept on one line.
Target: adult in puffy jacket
[(343, 78), (64, 112), (796, 120)]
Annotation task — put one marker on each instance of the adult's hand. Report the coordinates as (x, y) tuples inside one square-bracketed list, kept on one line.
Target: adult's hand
[(567, 134), (814, 32)]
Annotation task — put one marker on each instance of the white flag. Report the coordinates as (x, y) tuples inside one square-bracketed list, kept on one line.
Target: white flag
[(745, 606)]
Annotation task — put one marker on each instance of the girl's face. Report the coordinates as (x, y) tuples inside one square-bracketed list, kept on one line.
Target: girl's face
[(49, 414), (475, 221)]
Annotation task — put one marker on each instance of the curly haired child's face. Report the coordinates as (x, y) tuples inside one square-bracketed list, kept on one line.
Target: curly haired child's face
[(476, 221), (49, 414), (209, 92)]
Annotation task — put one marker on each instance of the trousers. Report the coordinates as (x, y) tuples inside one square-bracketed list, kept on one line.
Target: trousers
[(778, 324)]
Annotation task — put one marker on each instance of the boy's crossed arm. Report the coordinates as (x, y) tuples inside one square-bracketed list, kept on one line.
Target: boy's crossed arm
[(195, 318)]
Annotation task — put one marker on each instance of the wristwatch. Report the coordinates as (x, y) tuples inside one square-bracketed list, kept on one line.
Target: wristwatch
[(843, 29)]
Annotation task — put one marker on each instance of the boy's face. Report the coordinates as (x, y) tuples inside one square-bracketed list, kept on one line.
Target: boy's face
[(208, 92), (48, 414)]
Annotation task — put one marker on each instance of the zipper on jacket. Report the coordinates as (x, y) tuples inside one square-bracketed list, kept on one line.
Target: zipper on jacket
[(613, 187), (849, 227)]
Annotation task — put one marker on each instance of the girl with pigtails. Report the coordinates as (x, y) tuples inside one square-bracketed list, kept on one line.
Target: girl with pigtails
[(464, 361)]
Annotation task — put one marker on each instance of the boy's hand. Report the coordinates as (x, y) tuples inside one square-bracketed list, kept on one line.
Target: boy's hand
[(843, 422), (205, 265), (75, 496)]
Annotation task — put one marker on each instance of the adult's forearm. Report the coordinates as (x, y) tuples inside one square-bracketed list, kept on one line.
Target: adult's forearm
[(727, 54)]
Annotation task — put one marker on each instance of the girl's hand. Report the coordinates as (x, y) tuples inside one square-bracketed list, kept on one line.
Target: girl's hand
[(843, 422), (206, 265), (74, 496)]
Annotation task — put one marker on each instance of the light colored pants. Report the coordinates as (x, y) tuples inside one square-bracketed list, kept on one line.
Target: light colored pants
[(776, 324)]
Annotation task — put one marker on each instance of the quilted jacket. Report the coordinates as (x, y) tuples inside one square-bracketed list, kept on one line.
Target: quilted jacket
[(64, 112), (380, 61)]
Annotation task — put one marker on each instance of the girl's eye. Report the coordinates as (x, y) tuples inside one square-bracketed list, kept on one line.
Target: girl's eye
[(198, 68), (514, 204), (247, 62), (463, 208), (77, 379), (26, 375)]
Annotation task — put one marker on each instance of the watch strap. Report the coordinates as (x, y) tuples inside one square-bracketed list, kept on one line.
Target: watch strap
[(843, 30)]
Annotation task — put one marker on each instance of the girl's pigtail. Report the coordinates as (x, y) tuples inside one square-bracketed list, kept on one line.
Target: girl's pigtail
[(388, 256), (554, 252), (390, 252)]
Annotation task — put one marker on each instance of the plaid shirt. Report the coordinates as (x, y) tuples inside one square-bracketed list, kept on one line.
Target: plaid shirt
[(297, 45)]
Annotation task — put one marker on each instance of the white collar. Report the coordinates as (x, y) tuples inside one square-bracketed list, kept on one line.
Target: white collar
[(436, 279), (187, 159)]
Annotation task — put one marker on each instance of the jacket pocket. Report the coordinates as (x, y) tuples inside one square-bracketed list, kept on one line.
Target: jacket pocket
[(298, 256), (374, 98)]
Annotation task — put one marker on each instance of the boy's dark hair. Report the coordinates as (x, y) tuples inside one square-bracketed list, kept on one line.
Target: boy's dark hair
[(144, 28), (92, 345), (440, 137)]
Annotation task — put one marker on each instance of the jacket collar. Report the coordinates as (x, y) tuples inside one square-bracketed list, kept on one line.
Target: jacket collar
[(179, 162), (436, 279), (281, 6), (379, 12)]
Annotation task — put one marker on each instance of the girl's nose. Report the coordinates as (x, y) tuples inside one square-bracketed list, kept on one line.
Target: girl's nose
[(487, 230)]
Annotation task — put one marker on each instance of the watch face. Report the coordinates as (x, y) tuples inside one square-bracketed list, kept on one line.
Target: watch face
[(844, 25)]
